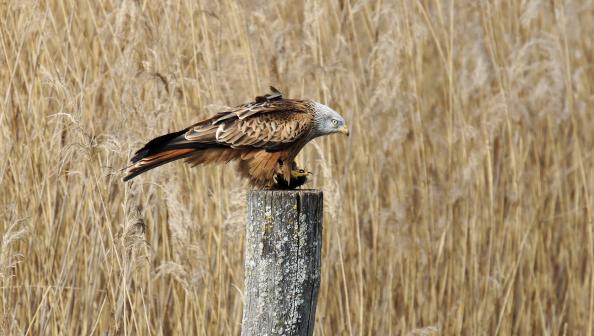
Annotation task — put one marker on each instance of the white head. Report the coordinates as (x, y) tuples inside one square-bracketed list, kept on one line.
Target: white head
[(328, 121)]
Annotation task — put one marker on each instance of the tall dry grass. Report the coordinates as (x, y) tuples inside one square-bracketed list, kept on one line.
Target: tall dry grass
[(461, 203)]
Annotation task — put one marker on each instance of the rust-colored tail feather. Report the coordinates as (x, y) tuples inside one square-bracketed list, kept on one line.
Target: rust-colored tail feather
[(157, 145), (156, 160), (164, 149)]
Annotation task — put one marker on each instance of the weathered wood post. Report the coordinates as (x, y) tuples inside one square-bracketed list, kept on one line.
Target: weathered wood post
[(282, 262)]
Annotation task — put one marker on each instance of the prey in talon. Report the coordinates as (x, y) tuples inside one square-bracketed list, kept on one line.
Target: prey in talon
[(298, 178)]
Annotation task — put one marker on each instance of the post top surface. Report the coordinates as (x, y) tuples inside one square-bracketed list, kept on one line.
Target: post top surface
[(291, 192)]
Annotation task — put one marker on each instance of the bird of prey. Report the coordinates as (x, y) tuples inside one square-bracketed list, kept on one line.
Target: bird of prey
[(264, 136)]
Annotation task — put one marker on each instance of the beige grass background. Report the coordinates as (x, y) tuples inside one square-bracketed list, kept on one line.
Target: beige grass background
[(461, 203)]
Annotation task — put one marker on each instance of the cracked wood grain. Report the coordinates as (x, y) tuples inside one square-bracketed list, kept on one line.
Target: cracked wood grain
[(282, 262)]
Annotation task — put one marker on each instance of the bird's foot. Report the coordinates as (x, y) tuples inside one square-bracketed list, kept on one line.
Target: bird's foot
[(300, 173), (298, 178)]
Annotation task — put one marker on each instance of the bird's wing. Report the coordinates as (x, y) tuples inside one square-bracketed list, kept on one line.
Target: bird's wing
[(270, 125), (272, 102)]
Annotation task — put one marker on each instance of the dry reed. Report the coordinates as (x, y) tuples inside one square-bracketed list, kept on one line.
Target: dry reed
[(461, 203)]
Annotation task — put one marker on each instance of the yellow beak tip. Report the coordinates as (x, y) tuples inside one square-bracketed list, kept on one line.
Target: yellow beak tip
[(344, 130)]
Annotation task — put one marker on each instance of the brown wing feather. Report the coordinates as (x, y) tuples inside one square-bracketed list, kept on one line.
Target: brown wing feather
[(269, 131), (262, 125)]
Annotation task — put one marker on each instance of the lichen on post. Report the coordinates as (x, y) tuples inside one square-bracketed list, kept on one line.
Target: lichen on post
[(282, 262)]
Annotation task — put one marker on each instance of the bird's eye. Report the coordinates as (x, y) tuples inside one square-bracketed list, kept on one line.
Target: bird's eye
[(334, 122)]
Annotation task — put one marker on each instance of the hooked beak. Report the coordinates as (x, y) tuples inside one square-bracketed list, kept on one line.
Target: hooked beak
[(344, 130)]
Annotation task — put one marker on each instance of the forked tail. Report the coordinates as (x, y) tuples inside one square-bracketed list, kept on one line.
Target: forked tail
[(164, 149)]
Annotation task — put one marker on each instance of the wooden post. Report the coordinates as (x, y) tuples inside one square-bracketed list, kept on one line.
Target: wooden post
[(282, 262)]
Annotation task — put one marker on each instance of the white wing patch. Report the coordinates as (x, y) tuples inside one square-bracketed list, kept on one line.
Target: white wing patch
[(219, 132)]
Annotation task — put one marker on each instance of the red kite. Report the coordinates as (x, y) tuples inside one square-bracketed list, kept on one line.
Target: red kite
[(265, 136)]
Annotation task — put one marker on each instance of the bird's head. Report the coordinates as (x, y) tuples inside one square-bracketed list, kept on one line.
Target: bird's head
[(328, 121)]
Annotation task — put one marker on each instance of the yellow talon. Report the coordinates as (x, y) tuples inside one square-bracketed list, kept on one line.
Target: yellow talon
[(300, 173)]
